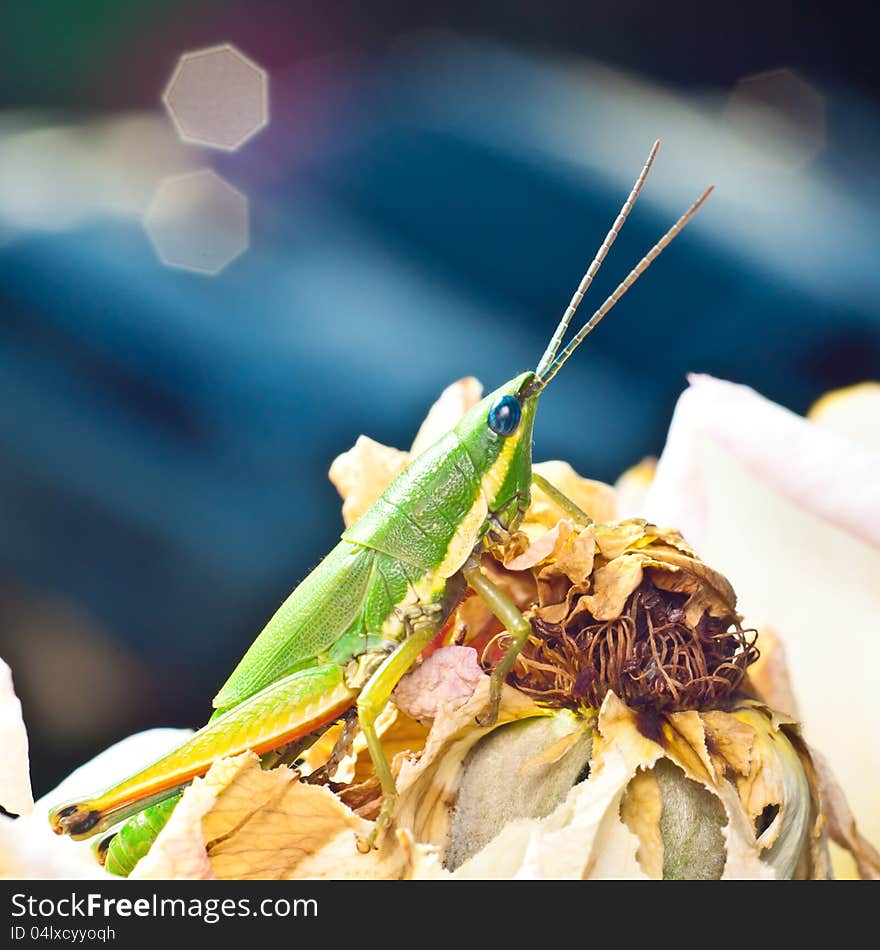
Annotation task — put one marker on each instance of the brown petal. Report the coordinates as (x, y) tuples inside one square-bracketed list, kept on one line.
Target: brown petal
[(595, 499), (362, 473)]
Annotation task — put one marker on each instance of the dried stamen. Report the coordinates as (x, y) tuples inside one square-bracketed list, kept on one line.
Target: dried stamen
[(649, 655)]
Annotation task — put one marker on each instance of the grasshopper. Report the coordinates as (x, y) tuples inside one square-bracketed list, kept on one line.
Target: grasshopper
[(361, 619)]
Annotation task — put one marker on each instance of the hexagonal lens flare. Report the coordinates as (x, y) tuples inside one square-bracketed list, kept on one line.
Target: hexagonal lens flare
[(217, 97), (198, 222)]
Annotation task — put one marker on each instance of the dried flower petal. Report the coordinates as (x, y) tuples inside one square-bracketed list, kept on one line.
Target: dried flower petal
[(627, 607), (641, 811), (241, 822), (251, 823), (769, 676), (180, 852), (776, 796), (361, 474), (658, 792), (448, 677), (457, 399), (595, 499)]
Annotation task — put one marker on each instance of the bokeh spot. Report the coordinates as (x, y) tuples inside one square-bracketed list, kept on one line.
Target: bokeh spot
[(217, 97), (198, 222), (781, 114)]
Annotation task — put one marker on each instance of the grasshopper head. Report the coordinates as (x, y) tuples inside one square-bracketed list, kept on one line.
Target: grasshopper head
[(497, 434)]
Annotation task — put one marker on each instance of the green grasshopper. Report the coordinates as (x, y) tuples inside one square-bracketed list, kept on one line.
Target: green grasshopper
[(360, 620)]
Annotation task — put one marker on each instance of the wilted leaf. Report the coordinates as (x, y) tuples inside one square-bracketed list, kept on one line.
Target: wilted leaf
[(428, 784), (583, 837), (680, 738), (521, 770), (668, 818), (690, 826)]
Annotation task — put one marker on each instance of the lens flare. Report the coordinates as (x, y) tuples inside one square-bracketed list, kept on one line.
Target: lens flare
[(217, 97), (198, 222)]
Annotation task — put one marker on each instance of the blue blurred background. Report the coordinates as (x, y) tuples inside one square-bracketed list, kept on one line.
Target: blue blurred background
[(430, 187)]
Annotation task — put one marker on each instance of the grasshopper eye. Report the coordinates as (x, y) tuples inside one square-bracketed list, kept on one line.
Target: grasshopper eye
[(504, 416)]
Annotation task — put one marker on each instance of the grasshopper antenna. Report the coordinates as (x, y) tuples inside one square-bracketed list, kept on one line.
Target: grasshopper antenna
[(622, 288), (587, 279)]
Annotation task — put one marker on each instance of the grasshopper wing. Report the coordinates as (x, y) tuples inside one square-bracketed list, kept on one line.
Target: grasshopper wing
[(312, 619)]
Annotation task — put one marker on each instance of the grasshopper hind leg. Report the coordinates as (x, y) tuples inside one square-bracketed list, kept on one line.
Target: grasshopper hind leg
[(287, 710), (421, 629)]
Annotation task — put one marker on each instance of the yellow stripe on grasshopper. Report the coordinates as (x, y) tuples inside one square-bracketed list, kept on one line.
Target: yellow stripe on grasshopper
[(462, 544)]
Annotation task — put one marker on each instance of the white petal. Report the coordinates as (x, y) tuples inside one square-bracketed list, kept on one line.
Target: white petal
[(815, 468), (45, 854), (29, 851), (790, 513), (15, 774)]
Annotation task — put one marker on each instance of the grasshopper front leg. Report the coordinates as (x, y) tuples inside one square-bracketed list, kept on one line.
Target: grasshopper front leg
[(516, 625), (572, 510)]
